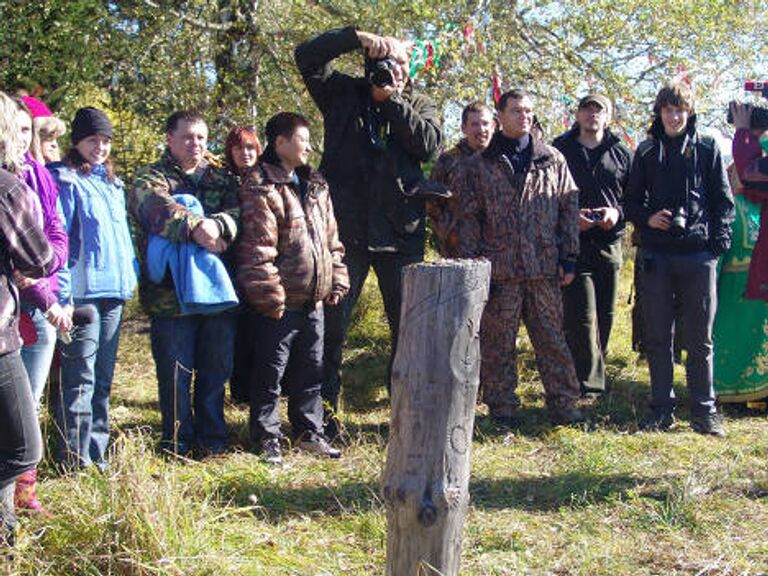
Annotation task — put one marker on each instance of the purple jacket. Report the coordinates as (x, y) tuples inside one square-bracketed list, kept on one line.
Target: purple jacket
[(43, 294)]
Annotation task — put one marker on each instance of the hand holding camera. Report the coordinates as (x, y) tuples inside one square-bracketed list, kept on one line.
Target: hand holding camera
[(386, 59), (605, 217)]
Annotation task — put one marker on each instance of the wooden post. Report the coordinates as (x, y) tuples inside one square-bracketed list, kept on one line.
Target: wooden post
[(434, 386)]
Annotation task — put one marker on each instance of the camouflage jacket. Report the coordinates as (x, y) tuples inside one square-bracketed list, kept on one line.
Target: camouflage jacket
[(289, 254), (153, 211), (526, 224), (446, 215)]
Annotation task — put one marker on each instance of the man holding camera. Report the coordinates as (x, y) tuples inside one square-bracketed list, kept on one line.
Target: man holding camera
[(599, 163), (378, 131), (679, 198)]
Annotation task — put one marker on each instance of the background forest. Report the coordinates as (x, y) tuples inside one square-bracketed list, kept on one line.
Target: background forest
[(143, 59)]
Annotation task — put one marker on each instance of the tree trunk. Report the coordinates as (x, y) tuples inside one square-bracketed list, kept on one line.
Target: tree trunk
[(434, 386)]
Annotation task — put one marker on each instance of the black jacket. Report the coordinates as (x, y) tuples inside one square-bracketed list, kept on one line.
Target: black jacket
[(705, 194), (368, 177), (601, 184)]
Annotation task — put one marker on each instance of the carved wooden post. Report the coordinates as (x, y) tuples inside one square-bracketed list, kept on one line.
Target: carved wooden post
[(434, 385)]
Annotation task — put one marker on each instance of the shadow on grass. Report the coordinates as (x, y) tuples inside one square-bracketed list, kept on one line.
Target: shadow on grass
[(277, 502), (572, 489)]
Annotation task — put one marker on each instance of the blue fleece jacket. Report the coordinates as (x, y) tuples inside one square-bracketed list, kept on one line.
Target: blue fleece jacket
[(202, 282)]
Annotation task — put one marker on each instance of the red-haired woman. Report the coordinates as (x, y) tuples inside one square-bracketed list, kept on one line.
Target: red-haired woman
[(242, 149)]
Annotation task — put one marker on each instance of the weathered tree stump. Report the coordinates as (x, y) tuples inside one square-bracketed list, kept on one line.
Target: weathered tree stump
[(434, 386)]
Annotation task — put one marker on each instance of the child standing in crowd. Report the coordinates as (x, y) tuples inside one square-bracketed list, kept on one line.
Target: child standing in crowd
[(289, 264), (101, 263)]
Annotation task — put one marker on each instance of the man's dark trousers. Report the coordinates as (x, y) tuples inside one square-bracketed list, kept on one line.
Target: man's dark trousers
[(389, 268), (691, 280), (288, 351), (589, 304)]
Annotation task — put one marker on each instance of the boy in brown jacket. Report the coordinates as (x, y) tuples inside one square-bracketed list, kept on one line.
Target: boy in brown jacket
[(289, 264)]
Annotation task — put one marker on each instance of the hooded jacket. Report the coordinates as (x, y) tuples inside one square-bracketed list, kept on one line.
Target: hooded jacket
[(289, 254), (526, 224), (706, 198), (600, 184), (372, 153)]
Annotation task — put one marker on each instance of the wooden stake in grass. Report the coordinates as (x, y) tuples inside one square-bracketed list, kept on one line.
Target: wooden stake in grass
[(434, 386)]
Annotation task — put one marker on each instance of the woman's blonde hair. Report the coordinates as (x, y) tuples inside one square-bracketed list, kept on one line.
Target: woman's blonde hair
[(11, 146), (49, 127)]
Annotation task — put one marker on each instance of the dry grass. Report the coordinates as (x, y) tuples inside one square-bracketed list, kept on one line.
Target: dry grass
[(600, 500)]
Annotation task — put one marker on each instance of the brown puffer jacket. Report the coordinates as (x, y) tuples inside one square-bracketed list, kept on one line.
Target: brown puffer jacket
[(289, 254), (525, 224)]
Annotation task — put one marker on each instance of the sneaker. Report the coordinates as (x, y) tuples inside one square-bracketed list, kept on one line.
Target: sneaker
[(710, 424), (566, 416), (658, 421), (271, 452), (317, 445)]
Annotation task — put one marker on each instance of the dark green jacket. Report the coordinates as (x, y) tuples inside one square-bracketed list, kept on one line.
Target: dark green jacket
[(154, 211), (368, 181)]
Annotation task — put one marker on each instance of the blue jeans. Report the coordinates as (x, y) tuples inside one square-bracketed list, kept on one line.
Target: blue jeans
[(183, 345), (87, 367), (37, 357), (20, 442)]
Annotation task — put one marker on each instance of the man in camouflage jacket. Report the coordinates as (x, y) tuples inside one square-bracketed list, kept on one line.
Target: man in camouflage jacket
[(477, 126), (289, 263), (195, 343), (522, 214)]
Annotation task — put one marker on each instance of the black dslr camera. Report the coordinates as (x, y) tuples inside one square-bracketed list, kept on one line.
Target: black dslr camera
[(378, 71), (678, 222), (759, 118)]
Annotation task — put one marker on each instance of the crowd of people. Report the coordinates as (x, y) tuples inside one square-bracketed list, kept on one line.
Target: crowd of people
[(249, 268)]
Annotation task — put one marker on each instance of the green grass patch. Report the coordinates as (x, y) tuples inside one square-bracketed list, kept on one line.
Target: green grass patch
[(597, 500)]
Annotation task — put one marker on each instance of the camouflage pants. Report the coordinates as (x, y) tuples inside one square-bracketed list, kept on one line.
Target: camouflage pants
[(538, 303)]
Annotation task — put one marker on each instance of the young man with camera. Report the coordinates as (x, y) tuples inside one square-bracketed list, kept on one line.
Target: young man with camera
[(680, 200), (378, 132), (599, 163)]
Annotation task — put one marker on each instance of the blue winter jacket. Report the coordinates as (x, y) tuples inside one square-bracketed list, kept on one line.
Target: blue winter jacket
[(202, 282), (102, 263)]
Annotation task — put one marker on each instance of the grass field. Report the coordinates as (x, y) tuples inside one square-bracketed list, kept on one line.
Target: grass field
[(597, 500)]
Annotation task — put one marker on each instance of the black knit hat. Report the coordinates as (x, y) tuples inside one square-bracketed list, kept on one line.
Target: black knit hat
[(90, 121)]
